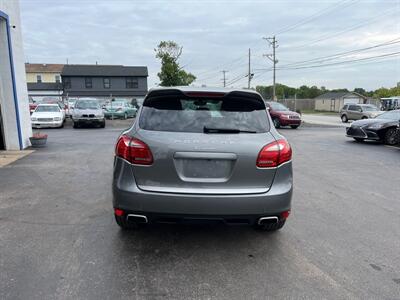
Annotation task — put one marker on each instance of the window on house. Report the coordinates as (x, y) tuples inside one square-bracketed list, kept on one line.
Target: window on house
[(132, 83), (88, 82), (58, 79), (67, 83), (38, 78), (106, 83)]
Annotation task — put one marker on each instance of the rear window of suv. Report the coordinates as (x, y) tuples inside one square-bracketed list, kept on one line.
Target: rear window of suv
[(184, 114)]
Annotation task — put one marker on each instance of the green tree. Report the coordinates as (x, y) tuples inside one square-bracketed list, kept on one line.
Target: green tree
[(383, 92), (171, 73), (265, 91), (360, 91)]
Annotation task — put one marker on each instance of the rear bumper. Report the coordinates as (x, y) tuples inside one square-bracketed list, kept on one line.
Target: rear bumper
[(127, 196)]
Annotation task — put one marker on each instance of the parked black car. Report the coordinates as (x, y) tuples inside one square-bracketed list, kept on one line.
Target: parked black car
[(398, 134), (383, 128)]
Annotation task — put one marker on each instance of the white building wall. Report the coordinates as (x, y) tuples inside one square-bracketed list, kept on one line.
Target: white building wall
[(11, 8)]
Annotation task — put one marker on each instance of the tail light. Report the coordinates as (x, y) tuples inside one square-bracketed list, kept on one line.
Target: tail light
[(274, 154), (134, 151)]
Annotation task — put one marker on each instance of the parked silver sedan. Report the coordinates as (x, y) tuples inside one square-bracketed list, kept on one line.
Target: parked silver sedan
[(201, 155)]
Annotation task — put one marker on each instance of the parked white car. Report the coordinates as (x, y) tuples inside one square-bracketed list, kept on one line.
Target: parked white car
[(47, 115)]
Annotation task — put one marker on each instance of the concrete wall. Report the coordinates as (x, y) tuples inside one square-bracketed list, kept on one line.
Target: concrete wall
[(8, 109), (46, 77)]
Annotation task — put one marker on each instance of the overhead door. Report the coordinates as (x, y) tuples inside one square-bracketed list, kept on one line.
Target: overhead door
[(351, 100)]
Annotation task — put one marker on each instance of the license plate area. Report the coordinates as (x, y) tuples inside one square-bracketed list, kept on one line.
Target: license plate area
[(204, 167)]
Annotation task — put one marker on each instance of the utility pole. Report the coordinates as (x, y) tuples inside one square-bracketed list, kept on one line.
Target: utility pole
[(274, 43), (224, 78), (249, 74)]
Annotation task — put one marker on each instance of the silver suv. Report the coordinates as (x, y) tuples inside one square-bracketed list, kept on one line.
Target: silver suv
[(201, 155), (358, 112)]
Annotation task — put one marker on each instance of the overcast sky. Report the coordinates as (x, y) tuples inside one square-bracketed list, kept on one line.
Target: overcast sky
[(216, 35)]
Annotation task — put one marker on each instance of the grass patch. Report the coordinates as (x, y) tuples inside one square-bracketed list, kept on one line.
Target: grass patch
[(318, 112)]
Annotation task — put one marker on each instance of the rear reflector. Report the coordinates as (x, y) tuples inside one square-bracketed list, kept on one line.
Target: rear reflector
[(285, 214), (118, 212), (134, 151), (274, 154)]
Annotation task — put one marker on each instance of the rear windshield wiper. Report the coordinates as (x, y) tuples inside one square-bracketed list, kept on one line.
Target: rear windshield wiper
[(225, 130)]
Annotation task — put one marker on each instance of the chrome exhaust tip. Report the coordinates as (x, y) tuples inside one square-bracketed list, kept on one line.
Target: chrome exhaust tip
[(136, 218), (268, 220)]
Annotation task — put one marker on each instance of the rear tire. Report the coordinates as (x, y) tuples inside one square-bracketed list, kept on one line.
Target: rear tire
[(277, 124), (75, 125), (294, 126), (358, 140), (103, 124), (124, 224), (344, 119), (271, 227), (391, 137), (363, 118)]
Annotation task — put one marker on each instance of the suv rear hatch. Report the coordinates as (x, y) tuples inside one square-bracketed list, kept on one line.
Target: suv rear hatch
[(204, 143)]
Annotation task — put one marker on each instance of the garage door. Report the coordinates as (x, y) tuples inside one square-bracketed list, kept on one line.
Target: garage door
[(351, 100)]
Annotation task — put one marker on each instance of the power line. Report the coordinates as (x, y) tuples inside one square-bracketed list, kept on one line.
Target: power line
[(358, 25), (228, 64), (216, 73), (236, 79), (311, 18), (343, 54), (365, 60), (342, 62)]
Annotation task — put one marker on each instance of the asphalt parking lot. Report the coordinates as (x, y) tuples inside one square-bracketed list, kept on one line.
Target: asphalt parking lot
[(59, 240)]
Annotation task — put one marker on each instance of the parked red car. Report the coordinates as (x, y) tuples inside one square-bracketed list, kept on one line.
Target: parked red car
[(283, 116)]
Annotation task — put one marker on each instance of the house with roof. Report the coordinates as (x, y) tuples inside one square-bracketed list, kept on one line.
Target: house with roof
[(44, 81), (334, 101), (104, 82)]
